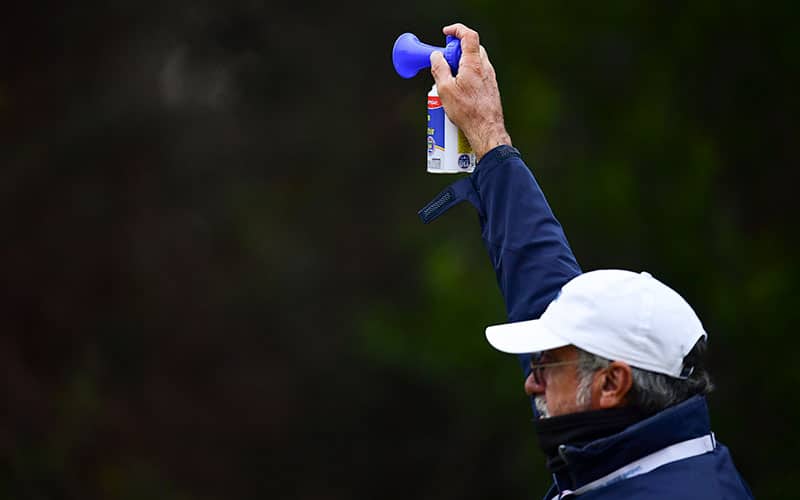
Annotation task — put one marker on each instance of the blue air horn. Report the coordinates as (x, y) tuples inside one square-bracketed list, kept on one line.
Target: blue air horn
[(449, 151)]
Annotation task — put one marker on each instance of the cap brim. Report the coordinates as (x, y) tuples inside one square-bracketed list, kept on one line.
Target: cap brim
[(523, 337)]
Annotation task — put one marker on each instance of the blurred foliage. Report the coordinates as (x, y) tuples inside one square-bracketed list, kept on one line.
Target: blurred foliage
[(215, 284)]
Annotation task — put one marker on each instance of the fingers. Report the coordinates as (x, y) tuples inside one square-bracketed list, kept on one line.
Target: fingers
[(485, 61), (470, 41), (440, 69)]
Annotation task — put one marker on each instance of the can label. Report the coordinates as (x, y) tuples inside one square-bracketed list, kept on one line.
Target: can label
[(449, 151), (435, 124)]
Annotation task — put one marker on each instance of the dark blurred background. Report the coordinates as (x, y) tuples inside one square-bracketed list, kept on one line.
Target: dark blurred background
[(215, 284)]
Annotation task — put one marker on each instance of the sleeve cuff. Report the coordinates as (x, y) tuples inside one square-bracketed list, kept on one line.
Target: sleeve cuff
[(465, 189)]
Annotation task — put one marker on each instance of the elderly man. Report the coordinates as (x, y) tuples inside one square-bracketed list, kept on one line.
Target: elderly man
[(616, 374)]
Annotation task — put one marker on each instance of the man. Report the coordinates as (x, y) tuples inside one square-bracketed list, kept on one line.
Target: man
[(617, 379)]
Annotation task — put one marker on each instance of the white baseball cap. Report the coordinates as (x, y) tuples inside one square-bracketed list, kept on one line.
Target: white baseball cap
[(619, 315)]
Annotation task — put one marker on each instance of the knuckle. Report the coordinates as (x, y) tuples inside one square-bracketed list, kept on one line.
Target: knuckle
[(472, 40)]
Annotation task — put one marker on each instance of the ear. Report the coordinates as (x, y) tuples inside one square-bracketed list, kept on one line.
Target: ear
[(611, 386)]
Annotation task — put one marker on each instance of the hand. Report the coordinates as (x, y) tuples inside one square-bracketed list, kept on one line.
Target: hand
[(471, 99)]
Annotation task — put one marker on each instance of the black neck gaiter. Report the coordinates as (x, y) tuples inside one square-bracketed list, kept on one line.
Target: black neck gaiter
[(580, 429)]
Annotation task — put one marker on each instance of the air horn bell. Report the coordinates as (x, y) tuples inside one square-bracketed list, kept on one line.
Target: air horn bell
[(409, 55)]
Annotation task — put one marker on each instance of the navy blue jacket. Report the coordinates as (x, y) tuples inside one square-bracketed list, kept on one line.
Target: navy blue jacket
[(532, 261), (527, 247), (708, 476)]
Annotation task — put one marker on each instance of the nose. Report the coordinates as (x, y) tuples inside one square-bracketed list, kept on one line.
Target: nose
[(532, 387)]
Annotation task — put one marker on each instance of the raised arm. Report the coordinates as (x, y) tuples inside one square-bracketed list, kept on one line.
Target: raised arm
[(526, 244)]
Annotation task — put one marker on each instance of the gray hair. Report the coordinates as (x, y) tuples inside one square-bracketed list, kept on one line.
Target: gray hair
[(651, 392)]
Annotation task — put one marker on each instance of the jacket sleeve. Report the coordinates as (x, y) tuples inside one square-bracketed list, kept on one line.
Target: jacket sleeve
[(526, 244)]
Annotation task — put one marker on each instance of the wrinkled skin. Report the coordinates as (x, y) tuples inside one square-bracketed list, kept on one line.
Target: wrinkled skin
[(471, 99)]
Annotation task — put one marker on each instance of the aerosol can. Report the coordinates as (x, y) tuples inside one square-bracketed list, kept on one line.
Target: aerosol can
[(449, 151)]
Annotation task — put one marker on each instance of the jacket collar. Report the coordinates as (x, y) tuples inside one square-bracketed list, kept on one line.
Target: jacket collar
[(683, 421)]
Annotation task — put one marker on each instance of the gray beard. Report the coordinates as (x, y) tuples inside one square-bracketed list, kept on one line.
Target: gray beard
[(541, 406)]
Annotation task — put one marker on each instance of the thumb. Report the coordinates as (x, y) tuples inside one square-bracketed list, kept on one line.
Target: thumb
[(440, 69)]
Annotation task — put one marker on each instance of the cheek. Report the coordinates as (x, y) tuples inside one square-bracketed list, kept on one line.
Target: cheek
[(560, 396), (556, 406)]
